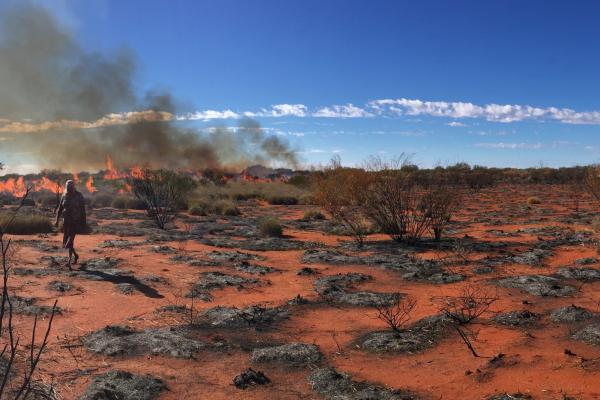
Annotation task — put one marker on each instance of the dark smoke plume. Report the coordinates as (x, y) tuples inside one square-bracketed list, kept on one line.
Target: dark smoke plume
[(67, 108)]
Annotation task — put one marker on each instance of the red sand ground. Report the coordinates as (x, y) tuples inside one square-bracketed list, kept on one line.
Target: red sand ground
[(447, 371)]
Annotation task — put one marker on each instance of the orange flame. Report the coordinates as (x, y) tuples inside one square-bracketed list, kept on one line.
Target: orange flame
[(89, 185), (16, 187), (111, 171)]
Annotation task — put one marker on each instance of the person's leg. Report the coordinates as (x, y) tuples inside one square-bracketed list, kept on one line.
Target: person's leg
[(76, 256), (68, 243)]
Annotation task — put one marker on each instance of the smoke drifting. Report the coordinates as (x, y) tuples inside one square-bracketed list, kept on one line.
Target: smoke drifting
[(69, 109)]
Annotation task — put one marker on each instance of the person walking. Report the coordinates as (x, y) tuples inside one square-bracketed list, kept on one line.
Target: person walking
[(72, 209)]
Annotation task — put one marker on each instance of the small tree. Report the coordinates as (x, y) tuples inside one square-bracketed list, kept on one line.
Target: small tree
[(162, 191)]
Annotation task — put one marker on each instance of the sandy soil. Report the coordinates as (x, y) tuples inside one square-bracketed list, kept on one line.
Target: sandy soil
[(536, 361)]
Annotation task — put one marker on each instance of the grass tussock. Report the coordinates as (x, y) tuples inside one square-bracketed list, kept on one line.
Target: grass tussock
[(220, 207), (26, 224), (534, 200), (270, 227)]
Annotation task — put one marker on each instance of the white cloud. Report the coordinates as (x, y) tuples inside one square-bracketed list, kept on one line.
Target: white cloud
[(208, 115), (342, 111), (491, 112), (511, 146), (296, 110), (456, 124)]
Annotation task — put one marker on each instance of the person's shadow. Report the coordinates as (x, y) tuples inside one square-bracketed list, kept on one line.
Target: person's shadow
[(148, 291)]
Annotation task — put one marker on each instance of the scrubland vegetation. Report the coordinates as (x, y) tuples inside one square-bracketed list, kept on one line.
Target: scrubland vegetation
[(391, 197), (23, 224)]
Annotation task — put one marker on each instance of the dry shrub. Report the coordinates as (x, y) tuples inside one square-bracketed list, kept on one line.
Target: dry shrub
[(388, 199), (392, 196), (396, 315), (534, 200), (220, 207), (162, 191), (441, 201), (338, 192), (405, 206)]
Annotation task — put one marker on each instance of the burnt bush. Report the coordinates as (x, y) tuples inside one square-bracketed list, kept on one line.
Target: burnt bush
[(397, 314)]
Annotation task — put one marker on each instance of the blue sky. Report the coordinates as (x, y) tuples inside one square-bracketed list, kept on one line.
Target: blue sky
[(425, 58)]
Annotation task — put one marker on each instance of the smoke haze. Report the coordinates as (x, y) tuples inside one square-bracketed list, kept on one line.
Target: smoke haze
[(70, 109)]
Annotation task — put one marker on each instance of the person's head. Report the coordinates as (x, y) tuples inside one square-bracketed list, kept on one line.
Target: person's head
[(69, 186)]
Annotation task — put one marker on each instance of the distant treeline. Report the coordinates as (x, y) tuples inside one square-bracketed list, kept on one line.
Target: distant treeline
[(479, 176)]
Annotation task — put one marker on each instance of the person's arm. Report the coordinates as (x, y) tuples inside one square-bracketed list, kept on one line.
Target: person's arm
[(59, 211)]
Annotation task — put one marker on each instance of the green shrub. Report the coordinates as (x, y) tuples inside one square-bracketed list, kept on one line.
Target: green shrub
[(270, 227), (26, 224), (282, 200), (313, 215)]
